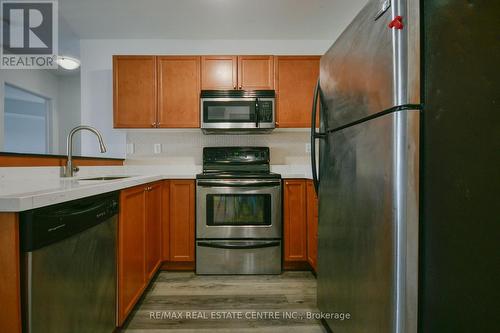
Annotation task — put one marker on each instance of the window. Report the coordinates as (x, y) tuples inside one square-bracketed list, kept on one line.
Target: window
[(27, 122)]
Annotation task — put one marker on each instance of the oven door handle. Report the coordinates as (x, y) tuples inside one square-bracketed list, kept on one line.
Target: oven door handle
[(238, 183), (247, 245)]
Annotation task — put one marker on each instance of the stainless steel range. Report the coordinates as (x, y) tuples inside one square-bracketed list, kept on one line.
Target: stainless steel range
[(238, 213)]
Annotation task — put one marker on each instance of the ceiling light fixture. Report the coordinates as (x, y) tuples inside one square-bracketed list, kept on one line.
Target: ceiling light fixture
[(68, 63)]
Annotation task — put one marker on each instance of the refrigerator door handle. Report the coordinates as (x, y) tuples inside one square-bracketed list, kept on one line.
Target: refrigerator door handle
[(315, 135)]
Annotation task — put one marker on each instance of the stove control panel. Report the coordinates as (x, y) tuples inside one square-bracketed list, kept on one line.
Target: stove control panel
[(236, 155)]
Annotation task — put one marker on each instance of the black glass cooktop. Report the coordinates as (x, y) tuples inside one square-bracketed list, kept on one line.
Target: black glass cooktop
[(236, 162)]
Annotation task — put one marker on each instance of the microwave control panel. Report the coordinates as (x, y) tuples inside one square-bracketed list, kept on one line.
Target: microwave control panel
[(266, 111)]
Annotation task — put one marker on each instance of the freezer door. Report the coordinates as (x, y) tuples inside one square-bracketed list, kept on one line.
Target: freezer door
[(371, 67), (368, 225)]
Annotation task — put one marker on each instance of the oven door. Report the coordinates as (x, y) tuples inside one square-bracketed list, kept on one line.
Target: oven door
[(237, 113), (238, 209)]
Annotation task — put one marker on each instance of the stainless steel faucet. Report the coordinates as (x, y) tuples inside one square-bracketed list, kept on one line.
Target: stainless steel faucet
[(69, 170)]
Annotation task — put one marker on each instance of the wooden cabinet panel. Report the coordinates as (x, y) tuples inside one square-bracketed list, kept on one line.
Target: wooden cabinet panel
[(255, 72), (10, 278), (134, 91), (153, 228), (131, 250), (294, 219), (165, 216), (182, 196), (219, 72), (312, 225), (179, 92), (296, 78)]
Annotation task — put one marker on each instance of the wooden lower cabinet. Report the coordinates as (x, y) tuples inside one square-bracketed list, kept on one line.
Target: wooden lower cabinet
[(312, 225), (10, 277), (294, 221), (165, 218), (139, 243), (300, 224), (153, 227), (156, 225), (131, 256), (181, 221)]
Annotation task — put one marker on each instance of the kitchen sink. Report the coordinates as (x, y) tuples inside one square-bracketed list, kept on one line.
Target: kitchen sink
[(104, 178)]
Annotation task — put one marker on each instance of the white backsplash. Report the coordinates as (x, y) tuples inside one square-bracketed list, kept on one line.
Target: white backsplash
[(287, 146)]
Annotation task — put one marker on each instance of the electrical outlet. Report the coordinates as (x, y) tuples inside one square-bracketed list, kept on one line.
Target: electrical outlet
[(157, 148), (130, 148), (308, 147)]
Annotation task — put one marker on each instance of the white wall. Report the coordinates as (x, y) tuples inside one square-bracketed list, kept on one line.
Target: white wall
[(185, 147), (96, 75), (69, 104), (40, 82)]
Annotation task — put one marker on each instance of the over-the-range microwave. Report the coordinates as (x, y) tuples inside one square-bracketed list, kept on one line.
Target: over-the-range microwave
[(237, 111)]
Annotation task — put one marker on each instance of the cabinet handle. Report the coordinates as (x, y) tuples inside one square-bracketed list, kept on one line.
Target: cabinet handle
[(234, 86), (240, 87), (153, 125)]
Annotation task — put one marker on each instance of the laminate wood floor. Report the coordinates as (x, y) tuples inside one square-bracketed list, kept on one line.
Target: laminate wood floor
[(185, 302)]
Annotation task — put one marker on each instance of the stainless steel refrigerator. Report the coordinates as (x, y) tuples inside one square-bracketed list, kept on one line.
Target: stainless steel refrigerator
[(408, 168), (369, 92)]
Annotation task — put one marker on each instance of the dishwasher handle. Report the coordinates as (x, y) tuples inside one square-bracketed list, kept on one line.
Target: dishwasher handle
[(44, 226)]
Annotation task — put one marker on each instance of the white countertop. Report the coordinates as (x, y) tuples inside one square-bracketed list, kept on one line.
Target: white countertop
[(27, 188)]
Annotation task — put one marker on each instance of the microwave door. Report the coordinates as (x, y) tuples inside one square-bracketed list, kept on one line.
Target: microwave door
[(229, 113)]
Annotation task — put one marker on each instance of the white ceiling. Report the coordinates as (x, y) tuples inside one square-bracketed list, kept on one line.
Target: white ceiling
[(208, 19)]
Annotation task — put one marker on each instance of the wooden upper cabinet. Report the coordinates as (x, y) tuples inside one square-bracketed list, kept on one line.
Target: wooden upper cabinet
[(219, 72), (153, 228), (134, 91), (296, 77), (178, 92), (312, 225), (182, 197), (294, 220), (131, 249), (237, 72), (256, 72)]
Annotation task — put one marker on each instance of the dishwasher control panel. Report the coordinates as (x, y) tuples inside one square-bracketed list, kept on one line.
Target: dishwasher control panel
[(43, 226)]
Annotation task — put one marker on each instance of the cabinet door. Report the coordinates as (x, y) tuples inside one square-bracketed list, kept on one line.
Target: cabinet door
[(153, 228), (179, 92), (294, 219), (255, 72), (134, 91), (219, 72), (182, 196), (10, 274), (131, 256), (312, 225), (296, 78), (165, 216)]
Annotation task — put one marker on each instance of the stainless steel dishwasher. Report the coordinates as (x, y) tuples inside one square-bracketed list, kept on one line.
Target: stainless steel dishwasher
[(68, 265)]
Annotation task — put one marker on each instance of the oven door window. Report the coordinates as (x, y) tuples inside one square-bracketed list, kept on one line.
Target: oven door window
[(238, 209), (230, 111)]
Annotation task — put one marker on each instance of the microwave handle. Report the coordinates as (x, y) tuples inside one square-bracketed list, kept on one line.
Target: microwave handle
[(257, 112)]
